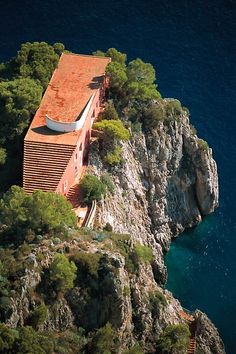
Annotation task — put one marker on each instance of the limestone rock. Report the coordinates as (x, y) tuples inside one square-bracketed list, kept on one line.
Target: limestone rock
[(207, 336), (166, 183)]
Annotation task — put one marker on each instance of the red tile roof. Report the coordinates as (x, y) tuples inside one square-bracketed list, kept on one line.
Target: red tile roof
[(76, 78)]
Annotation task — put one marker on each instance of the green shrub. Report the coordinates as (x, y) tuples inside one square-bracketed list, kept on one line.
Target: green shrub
[(24, 250), (134, 350), (113, 130), (133, 258), (113, 157), (134, 82), (62, 273), (98, 53), (136, 128), (3, 156), (88, 261), (138, 71), (109, 112), (24, 340), (106, 180), (40, 211), (108, 227), (19, 100), (104, 340), (9, 265), (38, 316), (37, 60), (56, 240), (113, 53), (121, 242), (173, 108), (92, 188), (126, 290), (69, 342), (116, 56), (174, 339), (31, 341), (152, 116), (193, 129), (118, 78), (143, 253), (130, 264), (8, 337), (156, 299), (202, 144)]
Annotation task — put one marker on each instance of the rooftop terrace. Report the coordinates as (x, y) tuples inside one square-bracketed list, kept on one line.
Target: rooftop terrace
[(72, 84)]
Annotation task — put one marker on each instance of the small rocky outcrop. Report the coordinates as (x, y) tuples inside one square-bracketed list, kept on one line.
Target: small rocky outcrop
[(207, 336)]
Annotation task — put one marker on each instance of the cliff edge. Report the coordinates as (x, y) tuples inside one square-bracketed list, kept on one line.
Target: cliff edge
[(167, 182)]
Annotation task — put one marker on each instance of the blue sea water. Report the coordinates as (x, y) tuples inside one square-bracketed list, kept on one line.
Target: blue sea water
[(191, 43)]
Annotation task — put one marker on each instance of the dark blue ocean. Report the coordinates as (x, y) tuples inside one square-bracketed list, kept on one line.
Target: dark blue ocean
[(191, 43)]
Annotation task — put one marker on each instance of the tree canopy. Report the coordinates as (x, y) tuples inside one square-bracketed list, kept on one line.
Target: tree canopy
[(3, 156), (19, 99), (128, 83), (23, 341), (92, 188), (114, 54), (118, 78), (8, 337), (22, 81), (133, 92), (174, 339), (138, 71), (109, 111), (40, 212), (33, 342), (62, 272), (112, 130), (36, 60), (104, 340)]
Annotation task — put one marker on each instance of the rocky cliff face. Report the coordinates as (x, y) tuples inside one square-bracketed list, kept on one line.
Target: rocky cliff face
[(167, 183), (122, 298), (136, 306), (208, 340)]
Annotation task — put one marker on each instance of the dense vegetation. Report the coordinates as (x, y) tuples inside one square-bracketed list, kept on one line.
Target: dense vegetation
[(174, 340), (109, 112), (24, 216), (113, 132), (62, 273), (93, 189), (22, 82)]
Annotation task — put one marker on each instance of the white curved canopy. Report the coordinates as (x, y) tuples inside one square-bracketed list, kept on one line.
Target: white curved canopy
[(69, 126)]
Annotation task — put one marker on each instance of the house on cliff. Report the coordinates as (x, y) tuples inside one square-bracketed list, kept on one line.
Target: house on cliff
[(57, 142)]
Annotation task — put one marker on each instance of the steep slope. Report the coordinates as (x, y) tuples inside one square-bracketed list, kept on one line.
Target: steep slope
[(167, 183)]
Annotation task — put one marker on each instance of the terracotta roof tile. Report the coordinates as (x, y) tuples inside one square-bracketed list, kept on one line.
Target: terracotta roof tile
[(71, 85)]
